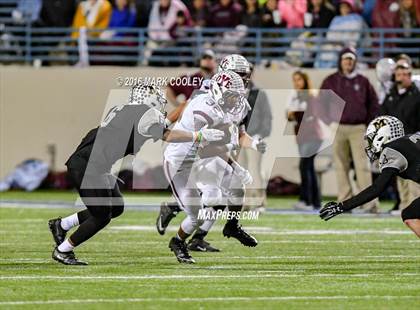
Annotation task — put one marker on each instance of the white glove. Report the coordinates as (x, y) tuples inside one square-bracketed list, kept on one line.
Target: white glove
[(242, 174), (209, 135), (259, 145)]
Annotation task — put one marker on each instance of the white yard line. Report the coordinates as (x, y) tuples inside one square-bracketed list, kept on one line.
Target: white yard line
[(271, 231), (204, 276), (211, 257), (207, 299)]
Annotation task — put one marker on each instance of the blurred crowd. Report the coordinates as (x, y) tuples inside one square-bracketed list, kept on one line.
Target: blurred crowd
[(219, 13), (169, 22)]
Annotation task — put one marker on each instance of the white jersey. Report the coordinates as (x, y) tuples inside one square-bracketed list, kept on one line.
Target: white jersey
[(201, 110)]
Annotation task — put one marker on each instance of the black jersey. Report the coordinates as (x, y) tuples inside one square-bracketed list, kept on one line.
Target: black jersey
[(123, 132), (403, 154), (400, 157)]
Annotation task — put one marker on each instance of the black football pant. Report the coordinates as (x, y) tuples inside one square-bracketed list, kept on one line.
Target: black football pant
[(412, 211), (102, 204)]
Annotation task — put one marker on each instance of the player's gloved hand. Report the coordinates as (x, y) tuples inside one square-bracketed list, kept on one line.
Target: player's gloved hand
[(330, 210), (242, 174), (209, 135), (262, 146), (259, 144)]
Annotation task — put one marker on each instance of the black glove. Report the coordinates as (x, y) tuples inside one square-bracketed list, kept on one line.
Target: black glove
[(330, 210), (262, 146)]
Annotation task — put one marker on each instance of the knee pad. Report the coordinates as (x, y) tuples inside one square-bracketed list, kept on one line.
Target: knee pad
[(211, 196), (411, 212)]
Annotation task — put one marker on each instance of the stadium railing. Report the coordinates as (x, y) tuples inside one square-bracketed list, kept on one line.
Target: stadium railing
[(132, 46)]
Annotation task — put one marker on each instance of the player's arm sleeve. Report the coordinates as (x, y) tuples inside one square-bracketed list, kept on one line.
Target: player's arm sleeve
[(373, 191)]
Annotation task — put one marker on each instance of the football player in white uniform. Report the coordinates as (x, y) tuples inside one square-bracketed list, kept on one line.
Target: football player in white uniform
[(239, 65), (198, 179)]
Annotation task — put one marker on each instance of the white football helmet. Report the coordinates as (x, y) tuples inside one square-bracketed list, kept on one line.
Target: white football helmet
[(238, 64), (149, 95), (228, 90), (385, 69), (380, 131)]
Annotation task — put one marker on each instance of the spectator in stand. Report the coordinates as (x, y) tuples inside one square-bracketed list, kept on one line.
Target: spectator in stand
[(162, 17), (251, 16), (302, 110), (58, 13), (178, 95), (338, 34), (92, 14), (361, 106), (409, 20), (271, 15), (385, 14), (367, 10), (123, 16), (178, 29), (403, 102), (292, 12), (143, 8), (199, 13), (320, 14), (27, 11), (225, 14), (348, 19)]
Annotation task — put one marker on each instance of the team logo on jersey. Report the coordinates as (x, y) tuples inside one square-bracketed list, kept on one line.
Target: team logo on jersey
[(356, 87)]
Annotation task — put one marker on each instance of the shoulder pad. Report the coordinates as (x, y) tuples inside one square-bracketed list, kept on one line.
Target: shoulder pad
[(391, 158), (150, 117)]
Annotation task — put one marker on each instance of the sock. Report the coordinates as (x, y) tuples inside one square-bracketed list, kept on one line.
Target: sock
[(181, 234), (200, 234), (70, 221), (66, 246)]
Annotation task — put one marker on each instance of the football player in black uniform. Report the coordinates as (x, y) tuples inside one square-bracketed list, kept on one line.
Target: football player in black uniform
[(124, 130), (398, 155)]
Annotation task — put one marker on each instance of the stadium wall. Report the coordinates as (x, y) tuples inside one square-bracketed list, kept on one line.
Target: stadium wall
[(58, 105)]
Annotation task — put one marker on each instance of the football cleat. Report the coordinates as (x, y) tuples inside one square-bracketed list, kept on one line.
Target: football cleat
[(66, 258), (200, 245), (166, 214), (180, 250), (59, 234), (236, 231)]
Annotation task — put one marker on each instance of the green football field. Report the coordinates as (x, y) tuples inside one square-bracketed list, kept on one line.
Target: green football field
[(351, 262)]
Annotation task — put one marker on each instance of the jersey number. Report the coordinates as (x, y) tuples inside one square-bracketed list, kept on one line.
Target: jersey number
[(111, 114)]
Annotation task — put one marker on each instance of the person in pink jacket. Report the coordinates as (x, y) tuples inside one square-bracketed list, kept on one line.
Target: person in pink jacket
[(292, 12)]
